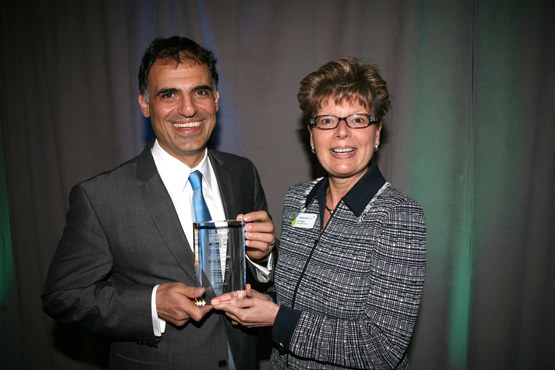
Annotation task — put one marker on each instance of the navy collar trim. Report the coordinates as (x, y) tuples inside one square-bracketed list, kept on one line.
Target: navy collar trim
[(358, 197)]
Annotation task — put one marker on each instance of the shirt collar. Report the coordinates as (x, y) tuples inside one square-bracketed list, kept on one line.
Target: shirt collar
[(176, 172), (358, 197)]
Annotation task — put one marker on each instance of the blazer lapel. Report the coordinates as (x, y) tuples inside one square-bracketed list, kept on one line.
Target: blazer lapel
[(161, 209)]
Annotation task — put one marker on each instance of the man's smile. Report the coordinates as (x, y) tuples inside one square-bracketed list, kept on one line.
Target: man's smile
[(187, 124)]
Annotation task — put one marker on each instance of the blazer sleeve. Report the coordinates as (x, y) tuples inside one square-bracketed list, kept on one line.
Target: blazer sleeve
[(80, 287)]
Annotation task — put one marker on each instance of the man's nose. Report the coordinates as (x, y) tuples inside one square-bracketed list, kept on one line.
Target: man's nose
[(187, 106)]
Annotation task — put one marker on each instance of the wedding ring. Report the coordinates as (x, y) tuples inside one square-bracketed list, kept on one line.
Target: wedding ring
[(199, 302)]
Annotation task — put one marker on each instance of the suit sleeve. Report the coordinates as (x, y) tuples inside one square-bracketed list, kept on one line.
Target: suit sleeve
[(80, 287)]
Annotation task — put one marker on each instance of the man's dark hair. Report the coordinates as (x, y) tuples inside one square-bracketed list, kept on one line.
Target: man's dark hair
[(179, 49)]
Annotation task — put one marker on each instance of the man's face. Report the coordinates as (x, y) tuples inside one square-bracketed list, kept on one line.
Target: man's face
[(182, 108)]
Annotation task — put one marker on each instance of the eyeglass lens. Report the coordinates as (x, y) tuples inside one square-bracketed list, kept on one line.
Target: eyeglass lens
[(353, 121)]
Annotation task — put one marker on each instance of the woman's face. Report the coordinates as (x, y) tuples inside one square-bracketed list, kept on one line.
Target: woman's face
[(344, 152)]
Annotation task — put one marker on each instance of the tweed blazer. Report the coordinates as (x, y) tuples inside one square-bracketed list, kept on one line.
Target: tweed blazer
[(355, 285)]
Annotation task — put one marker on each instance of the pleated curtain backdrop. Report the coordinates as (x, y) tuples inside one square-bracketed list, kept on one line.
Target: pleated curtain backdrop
[(470, 137)]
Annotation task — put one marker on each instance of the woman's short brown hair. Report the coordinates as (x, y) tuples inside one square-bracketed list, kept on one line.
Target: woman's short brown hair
[(344, 79)]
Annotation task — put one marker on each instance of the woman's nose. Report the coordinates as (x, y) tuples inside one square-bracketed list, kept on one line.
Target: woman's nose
[(342, 129)]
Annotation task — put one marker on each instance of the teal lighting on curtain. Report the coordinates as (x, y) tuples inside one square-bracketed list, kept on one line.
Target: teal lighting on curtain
[(442, 162), (6, 267)]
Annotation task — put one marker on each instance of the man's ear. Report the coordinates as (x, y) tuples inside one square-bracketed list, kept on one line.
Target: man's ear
[(217, 99), (144, 106)]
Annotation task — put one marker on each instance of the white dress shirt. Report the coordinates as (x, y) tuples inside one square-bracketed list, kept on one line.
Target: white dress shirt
[(175, 176)]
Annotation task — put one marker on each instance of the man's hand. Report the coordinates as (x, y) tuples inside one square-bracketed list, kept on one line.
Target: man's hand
[(175, 303), (259, 234)]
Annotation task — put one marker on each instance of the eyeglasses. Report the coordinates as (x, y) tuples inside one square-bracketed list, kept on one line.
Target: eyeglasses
[(356, 120)]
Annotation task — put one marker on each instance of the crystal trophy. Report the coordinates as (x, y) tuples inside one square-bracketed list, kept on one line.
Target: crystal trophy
[(219, 248)]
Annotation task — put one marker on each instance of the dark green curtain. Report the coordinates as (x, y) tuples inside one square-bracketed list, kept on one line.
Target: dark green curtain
[(9, 344), (469, 137), (482, 164), (513, 236)]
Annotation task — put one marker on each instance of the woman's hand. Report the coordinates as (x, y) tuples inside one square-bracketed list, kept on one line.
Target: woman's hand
[(247, 307)]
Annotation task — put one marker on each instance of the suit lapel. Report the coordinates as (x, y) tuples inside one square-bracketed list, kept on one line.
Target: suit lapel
[(161, 209), (230, 202), (228, 192)]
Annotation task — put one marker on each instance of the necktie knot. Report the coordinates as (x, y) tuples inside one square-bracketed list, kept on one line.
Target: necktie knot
[(200, 208), (196, 179)]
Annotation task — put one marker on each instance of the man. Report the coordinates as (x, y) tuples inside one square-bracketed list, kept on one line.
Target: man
[(124, 266)]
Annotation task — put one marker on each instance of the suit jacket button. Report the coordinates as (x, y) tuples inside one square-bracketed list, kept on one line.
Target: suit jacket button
[(222, 363)]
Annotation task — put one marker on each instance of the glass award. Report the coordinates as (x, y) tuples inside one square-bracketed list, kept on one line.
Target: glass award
[(219, 248)]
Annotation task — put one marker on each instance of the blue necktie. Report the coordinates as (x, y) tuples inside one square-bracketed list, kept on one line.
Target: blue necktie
[(212, 265), (210, 254)]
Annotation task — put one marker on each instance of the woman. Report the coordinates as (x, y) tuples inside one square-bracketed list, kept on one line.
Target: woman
[(351, 264)]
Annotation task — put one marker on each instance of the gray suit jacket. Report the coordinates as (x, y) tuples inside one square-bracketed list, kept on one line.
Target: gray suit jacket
[(122, 237)]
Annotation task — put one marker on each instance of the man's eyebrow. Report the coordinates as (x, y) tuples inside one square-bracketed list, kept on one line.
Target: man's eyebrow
[(202, 87), (167, 91)]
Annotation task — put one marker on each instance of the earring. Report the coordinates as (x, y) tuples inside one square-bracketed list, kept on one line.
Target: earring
[(376, 148), (313, 150)]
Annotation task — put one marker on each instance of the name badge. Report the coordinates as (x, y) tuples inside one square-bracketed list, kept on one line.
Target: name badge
[(304, 220)]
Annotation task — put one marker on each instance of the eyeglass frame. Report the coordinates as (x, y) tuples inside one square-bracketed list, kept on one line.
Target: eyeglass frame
[(373, 119)]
